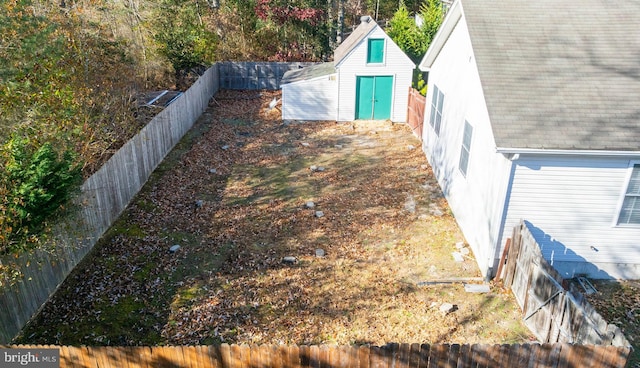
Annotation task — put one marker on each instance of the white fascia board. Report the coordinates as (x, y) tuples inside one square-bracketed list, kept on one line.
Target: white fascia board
[(448, 24), (574, 152)]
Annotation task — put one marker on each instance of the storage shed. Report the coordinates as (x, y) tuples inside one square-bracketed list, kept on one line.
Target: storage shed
[(369, 79)]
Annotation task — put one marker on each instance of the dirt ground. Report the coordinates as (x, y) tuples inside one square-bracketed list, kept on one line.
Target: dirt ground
[(257, 262)]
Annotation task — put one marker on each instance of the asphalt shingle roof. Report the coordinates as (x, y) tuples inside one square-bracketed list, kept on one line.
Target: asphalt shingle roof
[(559, 74), (309, 72)]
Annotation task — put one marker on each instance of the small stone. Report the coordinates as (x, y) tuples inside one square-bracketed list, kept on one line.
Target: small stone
[(320, 168), (465, 251), (225, 147), (319, 214), (199, 203), (174, 248), (305, 144), (411, 147), (309, 204), (289, 260), (457, 257), (433, 305), (320, 253), (447, 308), (476, 288), (460, 245), (313, 167), (213, 171)]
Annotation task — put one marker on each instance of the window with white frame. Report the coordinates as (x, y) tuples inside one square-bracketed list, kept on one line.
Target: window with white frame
[(437, 102), (630, 210), (375, 51), (465, 150)]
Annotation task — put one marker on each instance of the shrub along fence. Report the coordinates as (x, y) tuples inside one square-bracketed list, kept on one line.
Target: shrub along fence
[(388, 356), (552, 312)]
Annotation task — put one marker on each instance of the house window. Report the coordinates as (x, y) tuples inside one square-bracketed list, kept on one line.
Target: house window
[(465, 151), (630, 211), (437, 101), (375, 52)]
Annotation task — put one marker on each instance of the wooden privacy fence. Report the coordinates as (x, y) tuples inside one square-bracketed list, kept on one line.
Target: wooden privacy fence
[(103, 197), (552, 312), (388, 356), (415, 112), (254, 75)]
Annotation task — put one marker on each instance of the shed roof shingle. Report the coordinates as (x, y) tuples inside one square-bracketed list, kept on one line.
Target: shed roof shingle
[(559, 74)]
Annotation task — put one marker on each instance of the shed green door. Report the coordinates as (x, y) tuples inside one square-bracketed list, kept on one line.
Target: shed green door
[(373, 97)]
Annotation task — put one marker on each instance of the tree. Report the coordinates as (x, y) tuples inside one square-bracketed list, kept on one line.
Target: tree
[(184, 37)]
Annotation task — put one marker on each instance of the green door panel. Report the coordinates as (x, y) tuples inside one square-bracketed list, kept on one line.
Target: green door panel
[(373, 97)]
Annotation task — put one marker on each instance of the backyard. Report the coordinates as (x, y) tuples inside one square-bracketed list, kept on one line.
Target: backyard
[(255, 230)]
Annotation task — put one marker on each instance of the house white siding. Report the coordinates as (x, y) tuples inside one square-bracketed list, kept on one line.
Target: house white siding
[(477, 199), (395, 64), (312, 99), (572, 205)]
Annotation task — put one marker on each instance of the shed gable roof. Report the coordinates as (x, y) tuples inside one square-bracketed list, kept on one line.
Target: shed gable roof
[(351, 42), (557, 75)]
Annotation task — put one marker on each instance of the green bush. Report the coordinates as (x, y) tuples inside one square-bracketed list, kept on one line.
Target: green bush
[(37, 182)]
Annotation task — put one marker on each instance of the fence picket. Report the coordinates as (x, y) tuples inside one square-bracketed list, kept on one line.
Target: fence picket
[(391, 355)]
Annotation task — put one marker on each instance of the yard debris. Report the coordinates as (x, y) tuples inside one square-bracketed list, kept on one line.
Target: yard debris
[(411, 147), (447, 308), (457, 256), (319, 214), (315, 168), (310, 204), (289, 260), (320, 253), (174, 248), (225, 147), (305, 144), (213, 171), (460, 245), (410, 204), (477, 288)]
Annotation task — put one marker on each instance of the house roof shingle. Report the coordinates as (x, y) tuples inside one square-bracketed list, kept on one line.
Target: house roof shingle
[(559, 74)]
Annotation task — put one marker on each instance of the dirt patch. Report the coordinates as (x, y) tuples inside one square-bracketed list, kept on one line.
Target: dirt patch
[(234, 195)]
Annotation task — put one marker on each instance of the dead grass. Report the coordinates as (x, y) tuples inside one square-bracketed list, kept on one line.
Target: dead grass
[(233, 196)]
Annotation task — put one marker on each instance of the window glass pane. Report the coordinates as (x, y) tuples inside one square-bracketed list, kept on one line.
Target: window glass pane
[(630, 213), (468, 132), (465, 150), (375, 52), (634, 182)]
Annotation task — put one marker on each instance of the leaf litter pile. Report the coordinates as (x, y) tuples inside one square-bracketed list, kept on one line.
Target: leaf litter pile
[(305, 233)]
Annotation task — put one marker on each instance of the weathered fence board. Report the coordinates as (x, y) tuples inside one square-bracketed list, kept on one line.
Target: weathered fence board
[(254, 75), (415, 112), (552, 312)]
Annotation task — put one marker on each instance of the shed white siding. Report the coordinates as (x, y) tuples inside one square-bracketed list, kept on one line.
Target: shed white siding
[(396, 63), (476, 199), (572, 204), (312, 99)]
